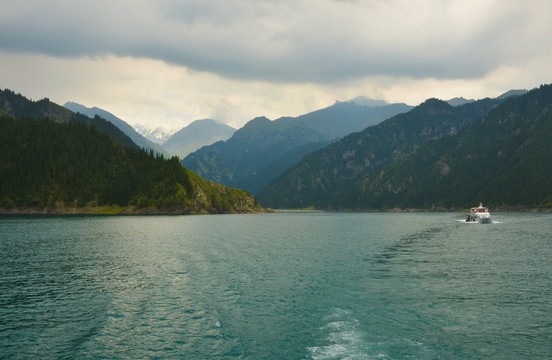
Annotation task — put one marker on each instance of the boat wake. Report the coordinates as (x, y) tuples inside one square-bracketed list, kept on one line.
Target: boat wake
[(344, 340)]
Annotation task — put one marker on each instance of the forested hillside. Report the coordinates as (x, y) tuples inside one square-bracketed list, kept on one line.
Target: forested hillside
[(504, 159), (320, 178), (72, 167)]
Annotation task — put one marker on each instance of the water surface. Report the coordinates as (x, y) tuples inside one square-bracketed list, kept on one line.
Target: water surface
[(276, 286)]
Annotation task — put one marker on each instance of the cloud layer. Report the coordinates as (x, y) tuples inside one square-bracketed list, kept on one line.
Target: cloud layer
[(281, 47), (289, 40)]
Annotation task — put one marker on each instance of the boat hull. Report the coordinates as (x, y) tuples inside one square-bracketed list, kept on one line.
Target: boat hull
[(480, 214), (484, 219)]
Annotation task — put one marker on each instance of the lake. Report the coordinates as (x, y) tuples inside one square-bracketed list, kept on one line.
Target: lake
[(276, 286)]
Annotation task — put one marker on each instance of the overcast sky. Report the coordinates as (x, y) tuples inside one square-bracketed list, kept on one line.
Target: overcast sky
[(169, 62)]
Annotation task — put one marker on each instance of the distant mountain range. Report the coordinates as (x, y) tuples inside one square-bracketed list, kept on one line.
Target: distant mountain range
[(181, 143), (436, 156), (262, 149), (196, 135), (121, 124)]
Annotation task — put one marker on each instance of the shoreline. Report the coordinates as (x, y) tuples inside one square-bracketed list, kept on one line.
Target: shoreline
[(130, 211), (120, 210)]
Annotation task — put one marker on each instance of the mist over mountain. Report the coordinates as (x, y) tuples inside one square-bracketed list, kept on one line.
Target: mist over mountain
[(364, 101), (196, 135), (121, 124), (262, 149)]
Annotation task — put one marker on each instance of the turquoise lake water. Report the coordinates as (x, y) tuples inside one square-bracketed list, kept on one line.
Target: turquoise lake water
[(276, 286)]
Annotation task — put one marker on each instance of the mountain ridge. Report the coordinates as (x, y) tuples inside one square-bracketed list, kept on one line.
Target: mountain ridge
[(121, 124), (239, 160), (457, 101), (18, 106)]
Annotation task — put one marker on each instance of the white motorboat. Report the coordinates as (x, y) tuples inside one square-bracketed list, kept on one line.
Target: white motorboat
[(480, 214)]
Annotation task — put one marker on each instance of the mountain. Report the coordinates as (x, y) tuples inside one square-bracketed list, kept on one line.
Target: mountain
[(504, 159), (196, 135), (158, 135), (320, 178), (18, 106), (121, 124), (457, 101), (69, 167), (262, 149)]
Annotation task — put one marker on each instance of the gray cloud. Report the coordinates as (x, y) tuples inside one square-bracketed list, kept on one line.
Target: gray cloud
[(290, 40)]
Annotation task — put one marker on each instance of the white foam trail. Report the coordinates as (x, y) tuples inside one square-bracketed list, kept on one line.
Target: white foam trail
[(344, 339)]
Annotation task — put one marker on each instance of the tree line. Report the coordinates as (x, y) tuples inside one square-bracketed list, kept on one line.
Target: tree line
[(43, 163)]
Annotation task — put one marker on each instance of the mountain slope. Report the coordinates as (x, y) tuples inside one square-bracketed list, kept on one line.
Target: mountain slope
[(320, 177), (196, 135), (245, 160), (69, 167), (504, 158), (121, 124), (18, 106)]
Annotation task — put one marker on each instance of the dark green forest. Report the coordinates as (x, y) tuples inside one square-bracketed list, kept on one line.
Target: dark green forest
[(43, 162)]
